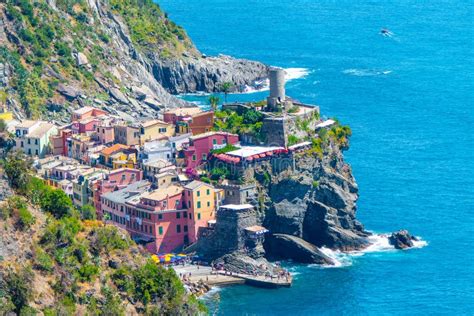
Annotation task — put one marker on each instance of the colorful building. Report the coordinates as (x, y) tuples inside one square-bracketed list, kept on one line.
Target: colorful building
[(110, 156), (200, 146), (155, 129), (33, 137), (86, 112), (190, 120), (200, 200), (127, 135), (113, 181)]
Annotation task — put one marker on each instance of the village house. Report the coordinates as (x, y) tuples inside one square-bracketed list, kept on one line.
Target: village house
[(111, 157), (86, 112), (83, 186), (105, 131), (113, 204), (78, 145), (113, 181), (200, 201), (154, 129), (33, 137), (190, 120), (152, 168), (200, 146), (126, 135)]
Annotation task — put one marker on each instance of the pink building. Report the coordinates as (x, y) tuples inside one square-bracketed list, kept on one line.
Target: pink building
[(201, 145), (163, 220), (105, 133), (86, 112), (162, 210), (115, 180)]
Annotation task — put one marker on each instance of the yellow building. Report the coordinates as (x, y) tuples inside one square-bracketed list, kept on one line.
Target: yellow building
[(199, 198), (155, 129)]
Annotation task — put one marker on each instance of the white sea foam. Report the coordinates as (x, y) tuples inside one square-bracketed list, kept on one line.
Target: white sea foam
[(290, 74), (378, 243), (366, 72)]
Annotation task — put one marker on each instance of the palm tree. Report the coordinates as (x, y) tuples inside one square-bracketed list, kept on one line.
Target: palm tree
[(226, 87), (214, 101)]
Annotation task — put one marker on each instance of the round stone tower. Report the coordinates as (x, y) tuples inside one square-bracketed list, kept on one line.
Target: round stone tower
[(277, 89)]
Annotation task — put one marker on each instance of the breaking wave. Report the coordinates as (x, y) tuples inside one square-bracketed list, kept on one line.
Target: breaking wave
[(378, 243), (264, 85), (366, 72)]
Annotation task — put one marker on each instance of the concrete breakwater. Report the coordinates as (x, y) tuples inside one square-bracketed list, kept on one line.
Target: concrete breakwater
[(200, 279)]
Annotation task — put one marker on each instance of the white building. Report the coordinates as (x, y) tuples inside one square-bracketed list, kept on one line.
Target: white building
[(33, 137)]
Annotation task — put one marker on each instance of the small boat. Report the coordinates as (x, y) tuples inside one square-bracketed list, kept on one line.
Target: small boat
[(386, 32)]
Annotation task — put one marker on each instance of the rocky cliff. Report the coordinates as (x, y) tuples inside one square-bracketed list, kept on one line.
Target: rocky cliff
[(124, 56)]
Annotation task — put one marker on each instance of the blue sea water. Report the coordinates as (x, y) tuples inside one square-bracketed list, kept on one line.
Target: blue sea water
[(409, 101)]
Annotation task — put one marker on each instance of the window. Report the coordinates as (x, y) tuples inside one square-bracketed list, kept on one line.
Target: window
[(185, 215), (29, 141), (178, 229), (178, 215), (194, 157), (198, 193), (208, 203), (214, 141), (36, 142), (36, 152), (124, 176), (190, 216), (160, 216), (189, 204), (22, 145), (199, 204), (160, 230), (204, 157), (199, 216), (185, 228), (224, 141), (29, 151), (208, 192)]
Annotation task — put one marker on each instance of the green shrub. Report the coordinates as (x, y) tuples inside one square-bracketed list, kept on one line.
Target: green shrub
[(57, 203), (18, 287), (88, 272), (108, 238), (43, 260), (292, 140), (315, 183), (88, 212), (25, 218)]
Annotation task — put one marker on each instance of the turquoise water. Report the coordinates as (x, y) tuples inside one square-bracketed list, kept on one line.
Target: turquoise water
[(409, 101)]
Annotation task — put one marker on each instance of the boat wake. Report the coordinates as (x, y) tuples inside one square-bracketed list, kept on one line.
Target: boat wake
[(378, 243), (366, 72)]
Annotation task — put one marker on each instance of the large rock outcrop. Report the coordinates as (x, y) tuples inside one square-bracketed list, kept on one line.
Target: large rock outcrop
[(103, 57)]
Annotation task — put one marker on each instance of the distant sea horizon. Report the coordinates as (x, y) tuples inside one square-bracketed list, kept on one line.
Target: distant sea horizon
[(408, 98)]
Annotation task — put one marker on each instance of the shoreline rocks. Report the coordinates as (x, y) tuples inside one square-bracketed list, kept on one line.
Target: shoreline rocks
[(402, 239)]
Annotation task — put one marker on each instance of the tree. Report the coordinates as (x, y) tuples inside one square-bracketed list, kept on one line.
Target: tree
[(57, 203), (88, 212), (226, 87), (214, 102), (17, 167)]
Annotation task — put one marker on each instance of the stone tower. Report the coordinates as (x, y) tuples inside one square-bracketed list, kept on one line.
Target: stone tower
[(277, 89)]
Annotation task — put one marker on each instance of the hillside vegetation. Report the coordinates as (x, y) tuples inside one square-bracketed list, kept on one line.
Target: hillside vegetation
[(55, 262), (45, 46)]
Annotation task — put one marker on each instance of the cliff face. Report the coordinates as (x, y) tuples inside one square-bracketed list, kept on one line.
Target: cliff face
[(124, 56), (316, 201)]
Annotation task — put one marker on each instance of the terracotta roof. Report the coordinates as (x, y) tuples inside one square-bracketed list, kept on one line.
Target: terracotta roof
[(113, 149)]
